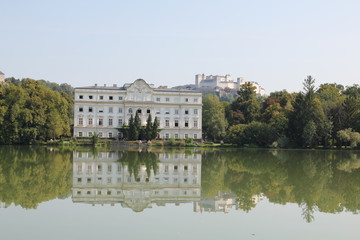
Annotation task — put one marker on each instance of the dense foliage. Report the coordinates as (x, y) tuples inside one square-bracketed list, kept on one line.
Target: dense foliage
[(323, 117), (134, 131), (30, 112)]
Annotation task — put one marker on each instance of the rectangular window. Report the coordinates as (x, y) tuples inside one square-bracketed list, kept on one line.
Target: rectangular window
[(186, 100), (167, 99), (81, 121), (195, 123), (186, 123), (101, 97), (80, 134), (110, 135), (195, 111), (109, 168), (167, 111), (90, 121), (176, 123), (195, 136), (81, 97), (148, 111), (120, 122), (111, 98), (90, 134), (100, 122), (195, 100), (176, 136), (120, 98), (81, 109), (110, 109), (167, 123), (90, 97), (176, 111), (90, 109), (130, 110), (167, 135), (186, 135), (100, 134), (101, 110), (186, 112), (110, 122), (157, 111), (120, 110), (158, 99)]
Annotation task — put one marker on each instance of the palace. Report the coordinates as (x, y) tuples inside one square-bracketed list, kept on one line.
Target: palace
[(103, 109)]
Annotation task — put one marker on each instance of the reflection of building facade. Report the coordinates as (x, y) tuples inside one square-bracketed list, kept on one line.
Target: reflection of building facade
[(102, 110), (102, 179)]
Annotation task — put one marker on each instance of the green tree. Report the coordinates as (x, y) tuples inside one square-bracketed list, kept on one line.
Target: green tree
[(155, 129), (213, 119), (148, 128), (245, 108)]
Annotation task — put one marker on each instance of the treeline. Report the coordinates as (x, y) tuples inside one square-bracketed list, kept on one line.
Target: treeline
[(30, 111), (134, 131), (327, 116)]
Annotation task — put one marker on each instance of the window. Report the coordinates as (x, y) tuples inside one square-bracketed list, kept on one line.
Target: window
[(176, 123), (175, 168), (120, 110), (167, 123), (157, 111), (186, 123), (100, 134), (195, 136), (167, 135), (167, 99), (88, 180), (101, 110), (109, 168), (120, 122), (110, 122), (139, 110), (90, 97), (99, 168), (195, 111), (110, 135), (90, 109), (90, 121), (176, 111), (81, 97), (111, 98), (81, 121), (158, 99), (80, 134), (100, 122), (110, 109), (120, 98), (176, 136), (130, 110), (195, 100), (185, 168), (195, 123), (186, 111), (101, 97), (81, 109), (186, 135), (167, 111), (90, 134), (186, 100), (148, 111)]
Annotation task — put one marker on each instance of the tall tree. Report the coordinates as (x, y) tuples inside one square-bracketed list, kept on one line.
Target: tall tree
[(213, 121)]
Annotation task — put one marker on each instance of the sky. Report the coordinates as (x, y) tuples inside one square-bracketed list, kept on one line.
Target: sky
[(275, 43)]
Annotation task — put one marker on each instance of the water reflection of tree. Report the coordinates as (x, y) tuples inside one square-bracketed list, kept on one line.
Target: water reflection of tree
[(31, 175), (135, 159), (326, 181)]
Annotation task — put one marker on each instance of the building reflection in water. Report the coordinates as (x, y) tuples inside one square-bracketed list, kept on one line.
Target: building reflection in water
[(105, 178)]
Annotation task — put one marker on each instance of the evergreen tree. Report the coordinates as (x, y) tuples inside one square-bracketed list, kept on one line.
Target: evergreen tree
[(148, 128), (155, 129)]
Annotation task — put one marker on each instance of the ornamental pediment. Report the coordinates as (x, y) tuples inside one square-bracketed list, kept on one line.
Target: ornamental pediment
[(139, 91)]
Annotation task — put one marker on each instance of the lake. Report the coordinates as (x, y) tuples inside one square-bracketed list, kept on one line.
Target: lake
[(53, 193)]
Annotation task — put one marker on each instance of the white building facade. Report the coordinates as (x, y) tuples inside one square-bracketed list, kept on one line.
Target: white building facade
[(222, 82), (102, 110), (2, 77)]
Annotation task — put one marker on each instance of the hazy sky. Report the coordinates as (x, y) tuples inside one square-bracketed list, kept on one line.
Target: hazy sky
[(276, 43)]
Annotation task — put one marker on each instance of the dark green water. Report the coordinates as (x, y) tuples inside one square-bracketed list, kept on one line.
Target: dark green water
[(48, 193)]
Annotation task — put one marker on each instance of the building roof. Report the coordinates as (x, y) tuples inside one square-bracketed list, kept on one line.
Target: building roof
[(1, 73), (124, 88)]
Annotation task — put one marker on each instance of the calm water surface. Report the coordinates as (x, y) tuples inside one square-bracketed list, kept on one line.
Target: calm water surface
[(49, 193)]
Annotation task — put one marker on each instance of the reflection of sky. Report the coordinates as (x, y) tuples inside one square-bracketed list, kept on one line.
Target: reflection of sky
[(62, 219)]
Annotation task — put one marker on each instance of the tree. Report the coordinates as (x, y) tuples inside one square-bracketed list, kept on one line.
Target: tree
[(133, 132), (155, 129), (213, 121), (148, 128), (246, 107)]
